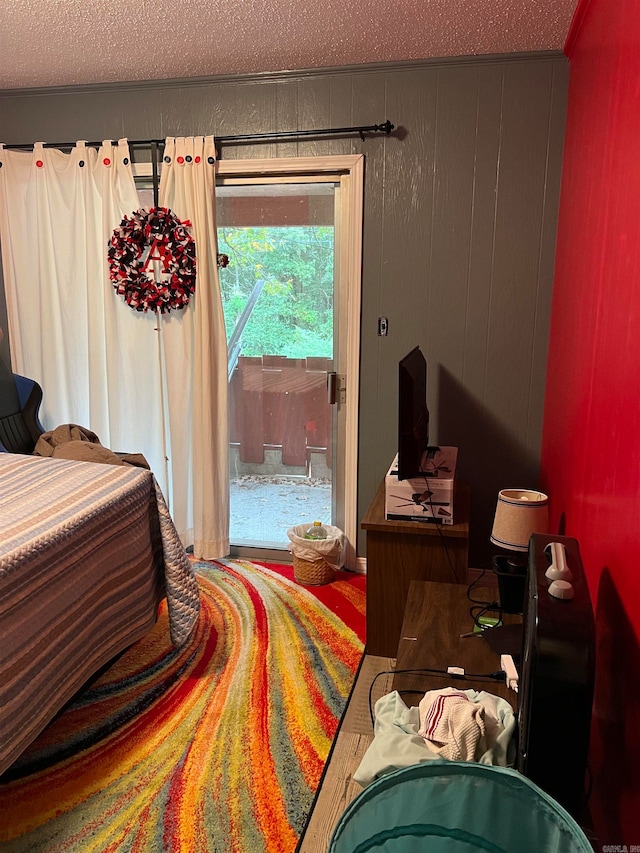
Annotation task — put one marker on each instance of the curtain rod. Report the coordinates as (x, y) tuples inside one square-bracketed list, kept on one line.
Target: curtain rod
[(242, 138)]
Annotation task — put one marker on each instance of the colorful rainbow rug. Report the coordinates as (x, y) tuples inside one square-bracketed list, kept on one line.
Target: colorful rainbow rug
[(217, 747)]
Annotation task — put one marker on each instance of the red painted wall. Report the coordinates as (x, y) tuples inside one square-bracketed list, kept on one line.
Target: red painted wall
[(591, 433)]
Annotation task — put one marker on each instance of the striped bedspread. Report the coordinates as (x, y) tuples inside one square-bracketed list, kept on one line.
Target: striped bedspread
[(87, 551)]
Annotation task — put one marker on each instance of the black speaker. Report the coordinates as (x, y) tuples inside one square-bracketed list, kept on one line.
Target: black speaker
[(556, 678)]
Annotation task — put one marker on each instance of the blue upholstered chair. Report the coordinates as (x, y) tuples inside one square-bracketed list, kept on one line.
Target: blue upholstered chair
[(20, 400)]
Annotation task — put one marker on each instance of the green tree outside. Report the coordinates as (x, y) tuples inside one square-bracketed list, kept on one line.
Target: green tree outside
[(293, 316)]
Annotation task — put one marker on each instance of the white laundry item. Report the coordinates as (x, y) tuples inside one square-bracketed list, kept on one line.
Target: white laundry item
[(397, 743), (455, 727)]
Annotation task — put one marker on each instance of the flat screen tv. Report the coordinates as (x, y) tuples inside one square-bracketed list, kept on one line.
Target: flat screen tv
[(413, 414)]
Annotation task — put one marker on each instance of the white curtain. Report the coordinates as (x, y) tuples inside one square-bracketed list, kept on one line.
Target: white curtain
[(195, 350), (101, 364), (96, 359)]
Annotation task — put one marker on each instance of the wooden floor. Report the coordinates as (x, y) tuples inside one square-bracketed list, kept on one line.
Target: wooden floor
[(337, 788)]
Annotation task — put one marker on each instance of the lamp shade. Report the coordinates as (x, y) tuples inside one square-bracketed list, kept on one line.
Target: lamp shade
[(519, 513)]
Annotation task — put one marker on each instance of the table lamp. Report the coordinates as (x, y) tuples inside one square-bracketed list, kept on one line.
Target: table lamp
[(519, 514)]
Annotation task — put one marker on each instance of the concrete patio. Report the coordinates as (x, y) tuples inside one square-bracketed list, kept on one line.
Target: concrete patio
[(263, 508)]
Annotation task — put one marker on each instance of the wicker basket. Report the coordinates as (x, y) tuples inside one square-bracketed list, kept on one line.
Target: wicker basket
[(312, 572)]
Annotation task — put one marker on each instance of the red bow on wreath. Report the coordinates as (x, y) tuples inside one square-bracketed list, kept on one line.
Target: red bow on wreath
[(153, 242)]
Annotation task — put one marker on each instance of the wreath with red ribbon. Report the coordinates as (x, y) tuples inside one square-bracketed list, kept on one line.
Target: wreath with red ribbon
[(147, 242)]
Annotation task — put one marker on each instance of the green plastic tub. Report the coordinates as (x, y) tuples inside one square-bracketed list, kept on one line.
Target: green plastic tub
[(456, 807)]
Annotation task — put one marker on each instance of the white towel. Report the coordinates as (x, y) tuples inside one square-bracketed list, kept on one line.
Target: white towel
[(455, 727)]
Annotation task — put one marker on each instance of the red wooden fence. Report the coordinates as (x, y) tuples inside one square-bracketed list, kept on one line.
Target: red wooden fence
[(278, 402)]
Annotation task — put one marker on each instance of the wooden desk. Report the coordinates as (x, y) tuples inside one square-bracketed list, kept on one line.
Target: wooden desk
[(436, 615), (401, 551)]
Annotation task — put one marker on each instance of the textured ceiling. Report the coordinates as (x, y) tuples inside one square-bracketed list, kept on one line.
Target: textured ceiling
[(67, 42)]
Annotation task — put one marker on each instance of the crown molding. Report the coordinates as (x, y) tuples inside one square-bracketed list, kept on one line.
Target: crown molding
[(267, 77)]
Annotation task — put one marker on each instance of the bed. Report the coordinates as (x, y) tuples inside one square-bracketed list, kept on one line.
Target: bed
[(87, 552)]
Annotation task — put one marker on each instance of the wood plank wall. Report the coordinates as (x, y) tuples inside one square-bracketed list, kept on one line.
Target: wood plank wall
[(459, 228)]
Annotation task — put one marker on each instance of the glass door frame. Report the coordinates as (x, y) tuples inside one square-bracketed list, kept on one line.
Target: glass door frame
[(348, 172)]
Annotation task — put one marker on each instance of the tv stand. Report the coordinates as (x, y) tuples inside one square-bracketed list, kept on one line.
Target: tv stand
[(399, 552)]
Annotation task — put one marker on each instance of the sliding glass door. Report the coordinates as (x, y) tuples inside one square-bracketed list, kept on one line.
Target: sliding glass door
[(284, 297)]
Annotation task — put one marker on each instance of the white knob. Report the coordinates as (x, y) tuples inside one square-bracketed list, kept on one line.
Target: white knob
[(561, 589), (558, 570)]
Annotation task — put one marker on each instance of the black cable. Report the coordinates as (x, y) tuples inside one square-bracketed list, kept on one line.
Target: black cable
[(483, 572), (438, 524), (446, 550), (487, 606), (476, 613), (482, 607), (498, 675)]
